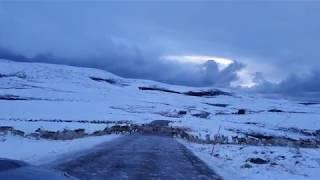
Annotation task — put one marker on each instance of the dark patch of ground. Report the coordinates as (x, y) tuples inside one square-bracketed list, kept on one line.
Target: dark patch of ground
[(206, 93), (20, 75), (202, 93), (110, 81), (217, 105), (9, 97), (309, 103), (257, 161), (158, 89), (160, 123), (202, 114)]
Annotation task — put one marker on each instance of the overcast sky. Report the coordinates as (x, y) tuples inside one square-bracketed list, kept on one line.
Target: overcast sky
[(277, 41)]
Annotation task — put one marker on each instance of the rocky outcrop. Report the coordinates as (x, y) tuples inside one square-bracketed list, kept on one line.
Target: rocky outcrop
[(275, 110), (20, 75), (241, 112), (154, 88), (10, 97), (110, 81), (202, 114), (17, 132), (61, 135), (217, 104), (6, 129), (206, 93), (201, 93), (257, 161)]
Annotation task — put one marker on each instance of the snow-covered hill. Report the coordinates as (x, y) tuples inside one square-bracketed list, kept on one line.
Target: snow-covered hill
[(57, 97)]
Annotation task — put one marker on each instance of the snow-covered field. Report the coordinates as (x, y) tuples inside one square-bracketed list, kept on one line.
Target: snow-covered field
[(46, 151), (231, 161), (57, 97)]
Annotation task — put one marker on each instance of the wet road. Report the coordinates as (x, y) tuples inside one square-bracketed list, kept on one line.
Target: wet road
[(139, 157)]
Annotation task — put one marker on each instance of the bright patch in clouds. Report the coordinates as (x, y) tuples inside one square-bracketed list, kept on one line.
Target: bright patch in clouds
[(222, 62), (245, 76), (245, 79)]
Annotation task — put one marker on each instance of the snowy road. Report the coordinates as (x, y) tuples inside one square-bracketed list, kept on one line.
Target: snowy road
[(139, 157)]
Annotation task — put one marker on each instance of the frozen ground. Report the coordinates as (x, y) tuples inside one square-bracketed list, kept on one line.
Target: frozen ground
[(57, 97), (42, 151), (231, 161)]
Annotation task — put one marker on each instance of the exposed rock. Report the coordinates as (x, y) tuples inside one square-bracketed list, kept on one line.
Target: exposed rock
[(182, 112), (241, 111), (260, 136), (61, 135), (80, 132), (20, 75), (173, 114), (161, 123), (118, 129), (47, 134), (246, 165), (280, 157), (273, 164), (6, 128), (257, 161), (216, 155), (275, 110), (309, 103), (202, 114), (158, 89), (98, 133), (33, 135), (110, 81), (206, 93), (217, 105), (17, 132), (10, 97)]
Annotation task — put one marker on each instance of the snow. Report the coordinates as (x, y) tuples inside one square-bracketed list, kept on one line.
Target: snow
[(66, 93), (45, 151), (289, 164)]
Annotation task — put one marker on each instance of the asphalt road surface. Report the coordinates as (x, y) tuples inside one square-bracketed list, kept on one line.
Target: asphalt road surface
[(139, 157)]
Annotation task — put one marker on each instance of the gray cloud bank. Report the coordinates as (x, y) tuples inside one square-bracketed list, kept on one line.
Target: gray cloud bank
[(128, 39), (137, 65), (306, 86)]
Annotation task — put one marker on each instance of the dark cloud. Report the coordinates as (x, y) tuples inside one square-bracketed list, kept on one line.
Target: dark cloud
[(128, 38), (302, 86), (137, 65)]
